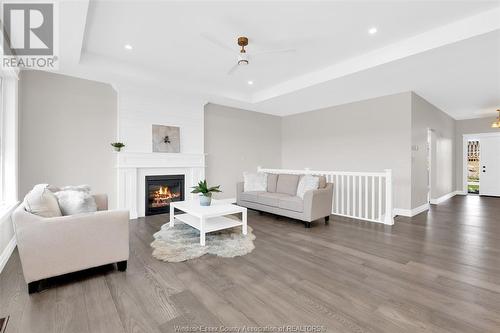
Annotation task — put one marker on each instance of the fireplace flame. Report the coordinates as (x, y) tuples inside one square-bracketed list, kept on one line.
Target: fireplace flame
[(163, 196)]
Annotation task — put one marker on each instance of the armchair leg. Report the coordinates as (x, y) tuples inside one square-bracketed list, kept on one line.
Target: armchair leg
[(33, 287), (327, 218), (307, 224), (122, 265)]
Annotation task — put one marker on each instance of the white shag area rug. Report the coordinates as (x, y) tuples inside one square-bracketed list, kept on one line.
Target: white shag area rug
[(182, 243)]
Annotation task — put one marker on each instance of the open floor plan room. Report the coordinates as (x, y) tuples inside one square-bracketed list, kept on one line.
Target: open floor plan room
[(249, 166)]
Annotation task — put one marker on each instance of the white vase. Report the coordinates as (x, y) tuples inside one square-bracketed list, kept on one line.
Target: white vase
[(205, 200)]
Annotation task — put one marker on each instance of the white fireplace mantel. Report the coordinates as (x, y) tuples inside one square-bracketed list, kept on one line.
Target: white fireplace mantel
[(134, 167)]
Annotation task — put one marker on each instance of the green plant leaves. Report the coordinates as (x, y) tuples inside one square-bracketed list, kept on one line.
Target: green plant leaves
[(203, 188)]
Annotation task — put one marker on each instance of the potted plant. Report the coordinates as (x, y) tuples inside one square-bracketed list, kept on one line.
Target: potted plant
[(205, 192), (118, 145)]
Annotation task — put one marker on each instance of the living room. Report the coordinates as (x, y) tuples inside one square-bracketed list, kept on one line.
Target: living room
[(261, 166)]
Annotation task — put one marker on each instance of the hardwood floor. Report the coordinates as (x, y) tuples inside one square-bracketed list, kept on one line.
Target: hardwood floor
[(436, 272)]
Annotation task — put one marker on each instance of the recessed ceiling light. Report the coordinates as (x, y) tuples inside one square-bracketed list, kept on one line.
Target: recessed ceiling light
[(372, 31), (128, 47), (250, 82)]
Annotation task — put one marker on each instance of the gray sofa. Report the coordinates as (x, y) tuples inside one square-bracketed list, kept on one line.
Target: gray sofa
[(281, 198)]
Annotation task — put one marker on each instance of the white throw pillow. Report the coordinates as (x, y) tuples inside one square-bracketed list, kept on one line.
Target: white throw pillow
[(74, 202), (307, 183), (254, 181), (80, 188), (42, 202)]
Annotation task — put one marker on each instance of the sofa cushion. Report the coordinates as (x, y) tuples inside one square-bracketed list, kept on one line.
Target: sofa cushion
[(270, 199), (287, 184), (272, 181), (254, 181), (42, 202), (291, 203), (250, 196), (322, 181)]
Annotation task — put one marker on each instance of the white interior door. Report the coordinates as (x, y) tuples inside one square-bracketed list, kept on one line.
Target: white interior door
[(489, 177)]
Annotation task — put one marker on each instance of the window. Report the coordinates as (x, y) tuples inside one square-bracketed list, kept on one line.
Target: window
[(8, 138)]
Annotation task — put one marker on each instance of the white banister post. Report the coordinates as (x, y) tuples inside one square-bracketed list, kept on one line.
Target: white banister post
[(389, 219), (259, 168)]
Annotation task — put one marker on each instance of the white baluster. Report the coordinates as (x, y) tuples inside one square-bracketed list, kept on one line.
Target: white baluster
[(342, 195), (354, 196), (373, 198), (348, 210), (365, 215), (379, 198), (360, 194), (337, 186)]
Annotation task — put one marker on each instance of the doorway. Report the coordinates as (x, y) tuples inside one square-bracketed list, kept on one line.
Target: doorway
[(473, 161), (481, 164)]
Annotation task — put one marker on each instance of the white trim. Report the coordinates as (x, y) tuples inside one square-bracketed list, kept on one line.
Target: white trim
[(468, 27), (445, 197), (411, 212), (7, 252)]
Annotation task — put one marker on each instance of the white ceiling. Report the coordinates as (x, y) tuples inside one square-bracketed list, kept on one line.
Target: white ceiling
[(444, 50)]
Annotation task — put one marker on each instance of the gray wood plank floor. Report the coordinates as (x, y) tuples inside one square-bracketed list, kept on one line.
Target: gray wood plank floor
[(436, 272)]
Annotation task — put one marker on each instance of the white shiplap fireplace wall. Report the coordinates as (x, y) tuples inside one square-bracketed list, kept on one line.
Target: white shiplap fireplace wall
[(134, 167), (139, 107)]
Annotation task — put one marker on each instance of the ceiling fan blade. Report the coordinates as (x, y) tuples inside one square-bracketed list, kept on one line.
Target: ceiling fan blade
[(274, 52), (216, 42), (233, 69)]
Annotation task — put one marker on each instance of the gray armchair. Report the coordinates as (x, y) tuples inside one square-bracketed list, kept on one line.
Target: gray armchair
[(58, 245)]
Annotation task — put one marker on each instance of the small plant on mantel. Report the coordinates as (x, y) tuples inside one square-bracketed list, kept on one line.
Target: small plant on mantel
[(205, 192), (118, 145)]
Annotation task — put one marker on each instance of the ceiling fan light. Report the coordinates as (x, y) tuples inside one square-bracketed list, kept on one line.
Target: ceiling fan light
[(242, 62)]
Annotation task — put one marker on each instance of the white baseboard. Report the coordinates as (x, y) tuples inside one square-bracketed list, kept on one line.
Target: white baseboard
[(7, 252), (445, 197), (411, 212)]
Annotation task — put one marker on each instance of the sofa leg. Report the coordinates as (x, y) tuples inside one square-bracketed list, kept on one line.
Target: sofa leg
[(122, 265), (307, 224), (33, 287), (327, 218)]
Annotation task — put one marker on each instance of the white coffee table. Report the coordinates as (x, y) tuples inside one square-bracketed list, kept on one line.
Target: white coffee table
[(208, 218)]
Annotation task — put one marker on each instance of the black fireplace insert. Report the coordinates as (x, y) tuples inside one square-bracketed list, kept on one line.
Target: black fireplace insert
[(161, 191)]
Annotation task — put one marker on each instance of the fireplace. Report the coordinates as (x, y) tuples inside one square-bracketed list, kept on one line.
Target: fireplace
[(161, 190)]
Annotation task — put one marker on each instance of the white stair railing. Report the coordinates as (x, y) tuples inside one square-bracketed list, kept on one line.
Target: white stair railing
[(360, 195)]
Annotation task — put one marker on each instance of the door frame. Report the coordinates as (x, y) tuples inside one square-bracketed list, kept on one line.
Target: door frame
[(467, 138), (430, 161)]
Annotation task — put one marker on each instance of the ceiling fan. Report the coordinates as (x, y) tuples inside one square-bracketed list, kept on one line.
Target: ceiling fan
[(243, 58)]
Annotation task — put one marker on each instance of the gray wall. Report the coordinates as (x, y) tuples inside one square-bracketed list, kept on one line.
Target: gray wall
[(369, 135), (66, 127), (468, 126), (426, 116), (236, 141)]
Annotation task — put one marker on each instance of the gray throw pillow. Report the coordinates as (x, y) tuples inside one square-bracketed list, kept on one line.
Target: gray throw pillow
[(272, 182), (287, 184)]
